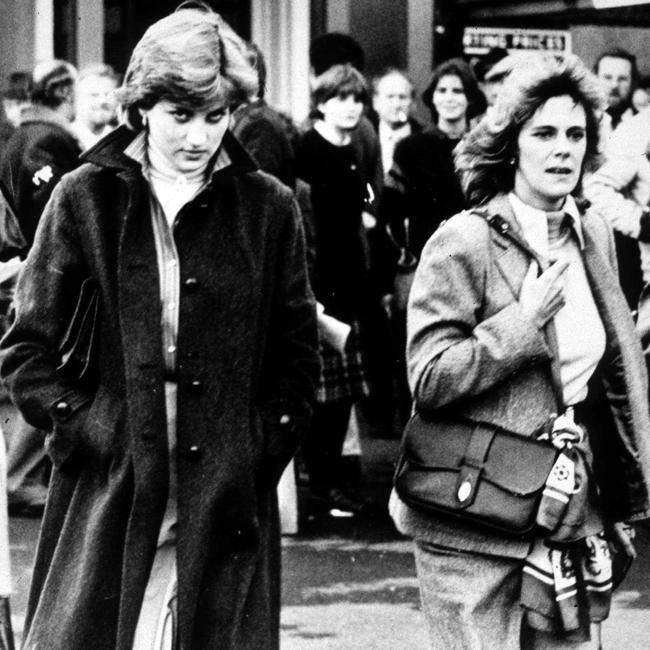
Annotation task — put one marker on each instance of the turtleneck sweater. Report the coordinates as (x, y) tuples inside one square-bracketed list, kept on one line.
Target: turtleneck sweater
[(580, 333), (172, 188)]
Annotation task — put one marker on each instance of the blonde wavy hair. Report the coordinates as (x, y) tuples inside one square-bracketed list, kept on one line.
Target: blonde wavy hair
[(484, 157), (191, 57)]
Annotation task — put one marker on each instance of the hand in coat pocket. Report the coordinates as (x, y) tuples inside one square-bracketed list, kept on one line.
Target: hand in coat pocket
[(68, 425), (281, 439)]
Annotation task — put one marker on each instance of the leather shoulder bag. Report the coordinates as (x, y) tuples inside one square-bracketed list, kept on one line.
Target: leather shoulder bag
[(474, 471)]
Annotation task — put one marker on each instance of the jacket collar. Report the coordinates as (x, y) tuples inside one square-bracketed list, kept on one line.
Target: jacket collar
[(534, 224), (109, 152), (499, 210)]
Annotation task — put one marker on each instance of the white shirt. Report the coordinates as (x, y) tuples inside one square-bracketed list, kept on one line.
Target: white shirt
[(388, 138)]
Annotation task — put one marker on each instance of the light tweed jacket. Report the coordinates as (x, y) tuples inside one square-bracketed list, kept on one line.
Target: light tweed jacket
[(471, 350)]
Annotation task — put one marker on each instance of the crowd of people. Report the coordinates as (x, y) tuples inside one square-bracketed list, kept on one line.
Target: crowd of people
[(194, 288)]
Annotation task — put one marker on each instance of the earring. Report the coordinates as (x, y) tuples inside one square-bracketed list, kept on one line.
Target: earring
[(512, 162), (144, 121)]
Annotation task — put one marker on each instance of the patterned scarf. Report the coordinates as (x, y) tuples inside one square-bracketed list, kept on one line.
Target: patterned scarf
[(567, 576), (564, 589)]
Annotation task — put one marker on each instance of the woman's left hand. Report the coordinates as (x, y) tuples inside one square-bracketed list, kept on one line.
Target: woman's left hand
[(625, 535)]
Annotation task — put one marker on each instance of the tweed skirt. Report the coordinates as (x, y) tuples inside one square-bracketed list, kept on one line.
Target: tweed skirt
[(471, 602), (343, 376)]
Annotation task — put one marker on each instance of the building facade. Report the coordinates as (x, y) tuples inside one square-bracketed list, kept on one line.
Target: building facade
[(411, 34)]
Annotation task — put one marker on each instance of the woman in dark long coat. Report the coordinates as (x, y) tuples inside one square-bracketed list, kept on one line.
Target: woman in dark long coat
[(165, 467)]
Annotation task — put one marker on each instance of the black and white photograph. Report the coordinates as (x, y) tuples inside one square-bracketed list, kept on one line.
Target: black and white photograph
[(324, 325)]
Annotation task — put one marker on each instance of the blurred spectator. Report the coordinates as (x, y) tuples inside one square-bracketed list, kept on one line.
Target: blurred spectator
[(44, 147), (326, 51), (96, 109), (620, 191), (6, 129), (392, 99), (332, 49), (496, 75), (16, 96), (327, 160), (40, 151), (491, 82), (617, 72), (421, 188), (263, 131)]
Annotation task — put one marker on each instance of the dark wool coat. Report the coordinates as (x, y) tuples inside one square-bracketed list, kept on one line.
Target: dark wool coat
[(265, 135), (247, 367), (422, 185)]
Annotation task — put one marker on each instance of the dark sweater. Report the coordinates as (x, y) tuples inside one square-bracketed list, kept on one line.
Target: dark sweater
[(422, 186), (338, 191), (38, 153)]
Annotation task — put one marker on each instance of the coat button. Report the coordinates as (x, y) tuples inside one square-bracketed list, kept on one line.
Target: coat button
[(191, 284), (196, 386), (62, 409), (193, 452)]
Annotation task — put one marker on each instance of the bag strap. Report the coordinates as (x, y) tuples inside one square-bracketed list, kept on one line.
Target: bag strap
[(503, 228), (471, 467), (478, 446)]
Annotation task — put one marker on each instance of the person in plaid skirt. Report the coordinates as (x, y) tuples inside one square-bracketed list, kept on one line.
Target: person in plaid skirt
[(328, 162)]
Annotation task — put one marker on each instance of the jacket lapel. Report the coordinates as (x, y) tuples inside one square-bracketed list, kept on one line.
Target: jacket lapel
[(512, 257)]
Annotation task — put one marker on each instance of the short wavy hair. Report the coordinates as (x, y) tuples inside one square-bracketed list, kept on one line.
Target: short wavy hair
[(191, 57), (484, 157), (339, 81), (457, 68)]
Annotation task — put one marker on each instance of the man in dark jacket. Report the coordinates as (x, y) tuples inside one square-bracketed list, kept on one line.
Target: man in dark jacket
[(39, 152), (43, 147), (263, 131)]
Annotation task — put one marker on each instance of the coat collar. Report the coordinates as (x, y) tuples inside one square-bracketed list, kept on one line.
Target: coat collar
[(43, 114), (499, 212), (36, 113), (109, 152)]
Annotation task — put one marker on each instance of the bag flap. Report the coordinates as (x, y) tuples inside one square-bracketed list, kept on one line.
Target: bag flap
[(515, 463)]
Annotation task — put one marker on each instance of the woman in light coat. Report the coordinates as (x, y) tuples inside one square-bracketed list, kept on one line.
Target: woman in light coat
[(161, 525), (510, 325)]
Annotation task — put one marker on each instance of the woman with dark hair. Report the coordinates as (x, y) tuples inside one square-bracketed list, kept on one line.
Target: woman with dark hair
[(421, 189), (161, 525), (516, 322), (327, 161)]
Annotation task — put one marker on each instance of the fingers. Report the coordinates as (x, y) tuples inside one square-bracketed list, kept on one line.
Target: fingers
[(542, 297)]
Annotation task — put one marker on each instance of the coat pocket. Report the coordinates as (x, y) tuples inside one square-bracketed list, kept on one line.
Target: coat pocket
[(281, 436), (103, 427)]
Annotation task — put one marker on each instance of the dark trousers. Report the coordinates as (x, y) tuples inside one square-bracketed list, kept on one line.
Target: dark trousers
[(323, 445)]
